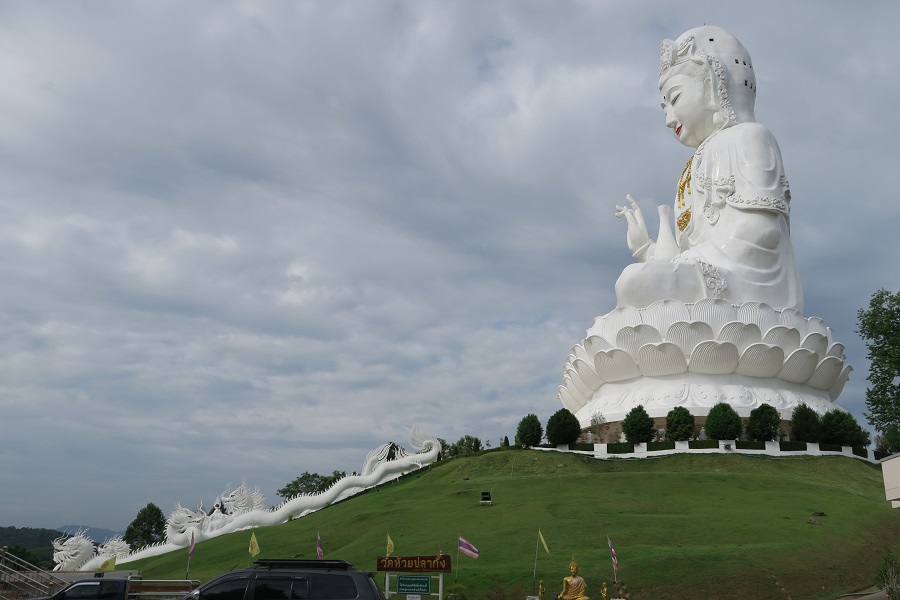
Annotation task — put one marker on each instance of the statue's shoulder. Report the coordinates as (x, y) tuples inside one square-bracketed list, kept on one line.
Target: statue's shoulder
[(742, 134)]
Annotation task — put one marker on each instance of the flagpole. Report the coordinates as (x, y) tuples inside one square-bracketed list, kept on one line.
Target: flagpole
[(188, 569), (458, 535)]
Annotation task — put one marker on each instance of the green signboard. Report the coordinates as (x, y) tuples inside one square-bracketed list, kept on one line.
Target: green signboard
[(413, 584)]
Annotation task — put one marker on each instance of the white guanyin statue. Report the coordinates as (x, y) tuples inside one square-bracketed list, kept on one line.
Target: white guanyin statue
[(713, 312)]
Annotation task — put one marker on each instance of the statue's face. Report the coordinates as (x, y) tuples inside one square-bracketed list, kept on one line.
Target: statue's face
[(689, 108), (573, 569)]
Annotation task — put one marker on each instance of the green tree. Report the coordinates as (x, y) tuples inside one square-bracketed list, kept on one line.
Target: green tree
[(563, 428), (879, 327), (723, 422), (465, 445), (679, 424), (839, 427), (310, 483), (889, 441), (806, 426), (763, 423), (148, 527), (638, 426), (529, 432)]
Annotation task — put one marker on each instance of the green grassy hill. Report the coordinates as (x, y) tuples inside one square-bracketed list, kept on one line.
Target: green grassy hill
[(711, 526)]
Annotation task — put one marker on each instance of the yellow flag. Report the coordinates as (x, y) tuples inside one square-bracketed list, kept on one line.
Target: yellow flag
[(254, 547), (390, 545), (109, 564), (543, 541)]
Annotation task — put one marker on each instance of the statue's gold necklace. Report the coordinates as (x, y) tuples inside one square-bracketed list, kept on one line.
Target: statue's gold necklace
[(684, 184)]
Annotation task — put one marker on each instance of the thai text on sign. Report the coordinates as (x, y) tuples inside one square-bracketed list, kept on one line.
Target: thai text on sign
[(415, 564)]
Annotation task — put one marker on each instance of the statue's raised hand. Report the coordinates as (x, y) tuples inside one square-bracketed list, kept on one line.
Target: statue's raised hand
[(638, 237)]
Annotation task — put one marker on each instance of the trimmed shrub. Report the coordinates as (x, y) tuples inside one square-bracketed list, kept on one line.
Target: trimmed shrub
[(529, 432), (806, 425), (792, 446), (723, 422), (840, 427), (656, 446), (763, 423), (754, 445), (585, 447), (881, 455), (830, 447), (563, 428), (702, 444), (862, 452), (620, 448), (679, 425), (638, 426)]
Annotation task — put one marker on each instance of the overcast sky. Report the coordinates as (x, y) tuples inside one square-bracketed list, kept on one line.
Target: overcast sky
[(243, 240)]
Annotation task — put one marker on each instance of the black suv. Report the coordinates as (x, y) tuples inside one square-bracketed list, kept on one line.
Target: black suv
[(291, 579)]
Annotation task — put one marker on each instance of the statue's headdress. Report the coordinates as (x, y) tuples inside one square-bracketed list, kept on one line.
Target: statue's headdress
[(730, 68)]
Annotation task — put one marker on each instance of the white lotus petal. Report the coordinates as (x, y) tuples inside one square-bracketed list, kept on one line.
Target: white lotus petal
[(826, 373), (574, 392), (837, 350), (687, 335), (759, 313), (594, 344), (740, 334), (615, 365), (564, 396), (714, 358), (794, 319), (609, 324), (838, 387), (784, 337), (657, 360), (760, 360), (575, 380), (662, 313), (816, 342), (578, 351), (715, 311), (586, 371), (631, 339), (816, 324), (799, 366)]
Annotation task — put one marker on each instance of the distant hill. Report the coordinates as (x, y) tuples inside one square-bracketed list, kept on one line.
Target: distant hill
[(95, 533), (38, 543), (708, 526)]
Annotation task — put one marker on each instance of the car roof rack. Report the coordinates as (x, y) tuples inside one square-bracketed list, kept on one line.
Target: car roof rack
[(302, 563)]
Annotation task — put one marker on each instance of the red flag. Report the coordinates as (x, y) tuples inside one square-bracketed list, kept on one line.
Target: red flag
[(191, 549), (319, 552), (466, 547), (612, 553)]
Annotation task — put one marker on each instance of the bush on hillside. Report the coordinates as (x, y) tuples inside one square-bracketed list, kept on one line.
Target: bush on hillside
[(723, 422), (563, 428), (529, 432), (679, 425), (805, 425), (840, 428), (763, 423), (638, 426)]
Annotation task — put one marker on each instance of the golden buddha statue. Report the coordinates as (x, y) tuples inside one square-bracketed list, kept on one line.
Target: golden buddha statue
[(573, 585)]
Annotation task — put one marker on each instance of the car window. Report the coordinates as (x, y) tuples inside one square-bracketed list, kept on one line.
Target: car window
[(332, 586), (273, 588), (82, 591), (109, 589), (230, 589)]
